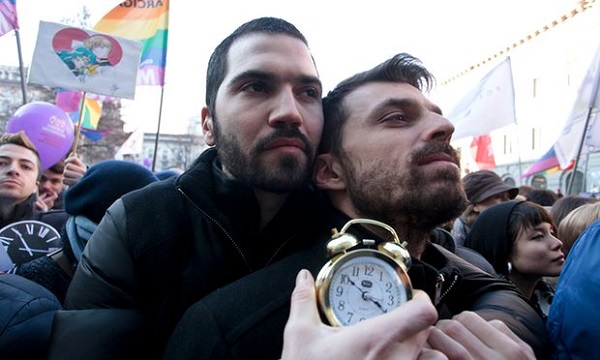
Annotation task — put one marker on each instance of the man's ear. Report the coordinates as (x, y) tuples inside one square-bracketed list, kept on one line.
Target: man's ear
[(207, 127), (327, 173)]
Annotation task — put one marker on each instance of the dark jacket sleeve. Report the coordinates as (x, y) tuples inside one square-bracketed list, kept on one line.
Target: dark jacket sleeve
[(498, 299), (105, 276), (26, 313), (98, 334), (243, 318)]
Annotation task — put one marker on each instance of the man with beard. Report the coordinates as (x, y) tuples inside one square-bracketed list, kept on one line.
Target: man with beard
[(385, 155), (244, 204)]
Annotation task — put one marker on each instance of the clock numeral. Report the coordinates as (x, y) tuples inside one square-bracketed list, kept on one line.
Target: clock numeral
[(350, 315), (388, 287), (52, 239), (6, 240), (369, 270), (391, 300), (355, 271), (339, 291), (29, 228), (43, 232), (341, 305), (345, 279)]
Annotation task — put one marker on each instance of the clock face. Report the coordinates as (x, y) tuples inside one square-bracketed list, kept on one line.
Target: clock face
[(29, 239), (365, 286)]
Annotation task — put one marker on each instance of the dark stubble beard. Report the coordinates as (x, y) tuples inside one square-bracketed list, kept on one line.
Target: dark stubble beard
[(406, 197), (287, 173)]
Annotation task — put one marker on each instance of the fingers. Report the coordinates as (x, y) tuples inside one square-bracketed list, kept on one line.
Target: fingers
[(40, 205), (304, 299), (74, 170), (419, 310), (430, 354), (468, 335)]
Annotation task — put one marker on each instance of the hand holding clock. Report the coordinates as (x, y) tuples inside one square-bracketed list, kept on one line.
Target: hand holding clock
[(400, 334)]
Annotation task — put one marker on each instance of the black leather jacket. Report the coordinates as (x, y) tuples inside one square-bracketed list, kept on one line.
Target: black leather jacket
[(246, 319), (162, 248)]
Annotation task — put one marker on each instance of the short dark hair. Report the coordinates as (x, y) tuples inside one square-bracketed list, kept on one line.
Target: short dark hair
[(402, 67), (21, 139), (217, 65), (57, 168)]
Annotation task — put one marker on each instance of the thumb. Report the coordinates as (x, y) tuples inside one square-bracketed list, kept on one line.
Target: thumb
[(303, 305)]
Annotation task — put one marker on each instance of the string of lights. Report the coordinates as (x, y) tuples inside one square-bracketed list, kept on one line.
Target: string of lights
[(583, 5)]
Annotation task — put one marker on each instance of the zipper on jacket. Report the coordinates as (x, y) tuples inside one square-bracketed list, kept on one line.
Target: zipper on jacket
[(454, 277), (439, 281), (214, 221)]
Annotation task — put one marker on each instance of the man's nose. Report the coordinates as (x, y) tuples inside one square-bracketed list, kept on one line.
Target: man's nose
[(286, 112)]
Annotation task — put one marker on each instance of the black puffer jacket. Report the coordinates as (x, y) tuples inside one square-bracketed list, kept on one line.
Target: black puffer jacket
[(26, 313), (163, 248), (235, 321)]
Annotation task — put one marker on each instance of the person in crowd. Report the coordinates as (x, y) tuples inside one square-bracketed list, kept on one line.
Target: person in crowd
[(573, 319), (484, 188), (543, 197), (563, 206), (524, 191), (85, 202), (244, 204), (572, 225), (410, 181), (50, 189), (26, 313), (20, 174), (519, 239)]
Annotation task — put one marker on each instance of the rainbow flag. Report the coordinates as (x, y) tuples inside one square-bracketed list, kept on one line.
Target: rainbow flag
[(148, 23), (548, 164), (8, 16), (70, 102)]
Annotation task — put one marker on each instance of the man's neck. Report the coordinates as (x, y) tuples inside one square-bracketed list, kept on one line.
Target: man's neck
[(270, 203), (406, 231), (7, 208)]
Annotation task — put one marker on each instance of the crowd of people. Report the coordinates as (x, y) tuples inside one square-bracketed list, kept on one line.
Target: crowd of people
[(219, 262)]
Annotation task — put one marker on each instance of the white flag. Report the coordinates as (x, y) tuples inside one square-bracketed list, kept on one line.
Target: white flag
[(134, 145), (85, 60), (586, 104), (489, 106)]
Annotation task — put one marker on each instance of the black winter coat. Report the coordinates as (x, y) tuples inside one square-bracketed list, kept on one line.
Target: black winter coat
[(162, 248), (246, 319)]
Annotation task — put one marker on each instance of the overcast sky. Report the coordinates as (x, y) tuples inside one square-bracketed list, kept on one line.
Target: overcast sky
[(345, 37)]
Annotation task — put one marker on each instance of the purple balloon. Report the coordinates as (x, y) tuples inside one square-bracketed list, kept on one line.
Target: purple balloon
[(47, 126)]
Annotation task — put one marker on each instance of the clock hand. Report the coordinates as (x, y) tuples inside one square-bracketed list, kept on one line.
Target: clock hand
[(367, 296), (34, 250), (27, 248)]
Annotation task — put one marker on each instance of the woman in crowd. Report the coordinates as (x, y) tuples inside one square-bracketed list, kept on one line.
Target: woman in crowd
[(518, 239)]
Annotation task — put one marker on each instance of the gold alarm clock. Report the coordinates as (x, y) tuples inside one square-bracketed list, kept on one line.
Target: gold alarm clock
[(362, 279)]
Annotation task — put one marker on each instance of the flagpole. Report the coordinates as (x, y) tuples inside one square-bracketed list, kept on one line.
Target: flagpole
[(23, 88), (591, 105), (587, 122), (78, 126), (162, 93)]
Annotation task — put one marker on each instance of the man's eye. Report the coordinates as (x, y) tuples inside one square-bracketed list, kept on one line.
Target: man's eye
[(255, 87), (313, 93), (395, 118)]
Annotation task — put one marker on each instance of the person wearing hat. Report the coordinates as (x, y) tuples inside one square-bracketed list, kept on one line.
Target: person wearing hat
[(484, 188)]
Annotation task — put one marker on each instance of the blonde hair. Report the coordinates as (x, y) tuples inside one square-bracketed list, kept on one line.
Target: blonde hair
[(572, 225), (97, 41)]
